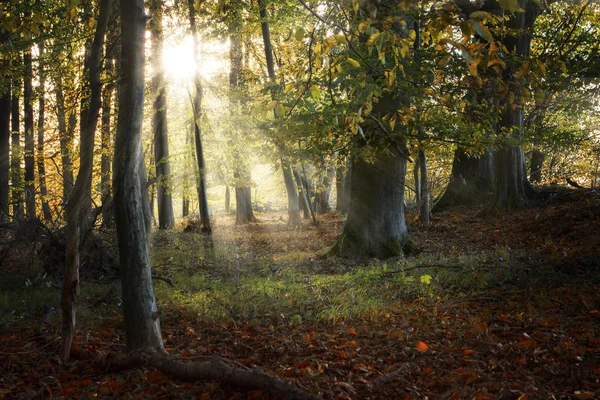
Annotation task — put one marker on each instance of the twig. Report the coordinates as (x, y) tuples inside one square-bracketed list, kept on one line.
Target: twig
[(167, 280), (423, 266)]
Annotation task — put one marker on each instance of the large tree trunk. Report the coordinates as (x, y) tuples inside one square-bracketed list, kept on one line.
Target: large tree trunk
[(205, 225), (376, 225), (288, 177), (41, 165), (340, 182), (77, 207), (142, 325), (166, 219), (29, 142), (511, 184), (4, 147), (537, 161), (241, 172), (470, 180)]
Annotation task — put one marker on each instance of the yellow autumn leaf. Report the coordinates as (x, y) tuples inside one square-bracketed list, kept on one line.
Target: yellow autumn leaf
[(523, 70), (353, 62), (510, 5)]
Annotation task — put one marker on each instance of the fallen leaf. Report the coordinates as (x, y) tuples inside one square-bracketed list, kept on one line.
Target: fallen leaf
[(422, 346)]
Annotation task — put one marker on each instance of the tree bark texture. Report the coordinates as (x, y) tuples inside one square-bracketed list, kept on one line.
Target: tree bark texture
[(77, 210), (4, 147), (471, 180), (323, 192), (166, 218), (424, 186), (142, 324), (205, 225), (65, 134), (340, 180), (41, 162), (288, 177), (241, 173), (30, 209), (537, 161), (375, 226), (16, 173)]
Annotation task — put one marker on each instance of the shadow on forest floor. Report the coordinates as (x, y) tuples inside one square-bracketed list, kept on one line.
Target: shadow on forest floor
[(493, 307)]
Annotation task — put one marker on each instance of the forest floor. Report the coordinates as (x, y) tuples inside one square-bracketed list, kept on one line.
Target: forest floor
[(504, 307)]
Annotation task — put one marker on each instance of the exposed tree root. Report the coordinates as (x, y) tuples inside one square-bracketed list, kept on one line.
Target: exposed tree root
[(217, 369)]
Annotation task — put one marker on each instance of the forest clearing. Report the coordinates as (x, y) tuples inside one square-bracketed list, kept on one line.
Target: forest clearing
[(491, 308), (300, 199)]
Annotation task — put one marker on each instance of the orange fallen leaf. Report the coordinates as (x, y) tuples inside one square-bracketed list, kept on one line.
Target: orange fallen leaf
[(352, 331), (468, 352), (422, 346)]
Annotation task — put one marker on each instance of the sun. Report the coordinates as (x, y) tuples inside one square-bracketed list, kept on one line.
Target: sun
[(178, 59)]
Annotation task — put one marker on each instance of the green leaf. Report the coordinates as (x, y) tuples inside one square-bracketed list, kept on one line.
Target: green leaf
[(373, 38), (315, 92), (510, 5), (482, 30), (279, 111), (426, 279), (299, 35)]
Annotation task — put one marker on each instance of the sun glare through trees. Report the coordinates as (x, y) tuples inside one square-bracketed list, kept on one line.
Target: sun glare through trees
[(300, 199)]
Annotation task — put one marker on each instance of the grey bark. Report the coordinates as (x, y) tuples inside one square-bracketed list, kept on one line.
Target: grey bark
[(77, 210), (65, 134), (205, 225), (166, 218), (41, 164), (288, 177), (16, 173), (424, 186), (537, 161), (4, 147), (142, 324), (30, 209), (375, 226)]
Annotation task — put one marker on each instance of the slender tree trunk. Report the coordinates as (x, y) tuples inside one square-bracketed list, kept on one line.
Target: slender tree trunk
[(40, 136), (185, 206), (425, 198), (29, 142), (16, 173), (304, 197), (288, 177), (340, 178), (205, 224), (166, 218), (417, 180), (142, 324), (241, 173), (65, 133), (4, 147), (77, 207), (105, 169), (323, 193), (227, 199)]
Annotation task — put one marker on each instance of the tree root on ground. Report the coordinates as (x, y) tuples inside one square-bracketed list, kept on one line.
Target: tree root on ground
[(217, 369)]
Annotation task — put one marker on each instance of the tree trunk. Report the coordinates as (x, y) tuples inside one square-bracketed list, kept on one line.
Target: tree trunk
[(205, 225), (303, 195), (29, 142), (142, 325), (424, 184), (40, 137), (288, 177), (323, 193), (470, 180), (340, 179), (65, 134), (105, 169), (537, 161), (512, 186), (16, 173), (241, 173), (376, 226), (4, 147), (77, 210), (185, 206), (417, 180), (227, 200), (166, 218)]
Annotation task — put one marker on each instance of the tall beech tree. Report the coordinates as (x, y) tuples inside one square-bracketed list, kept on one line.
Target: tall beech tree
[(40, 161), (4, 144), (166, 219), (241, 174), (77, 211), (28, 127), (16, 151), (205, 225), (288, 176)]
